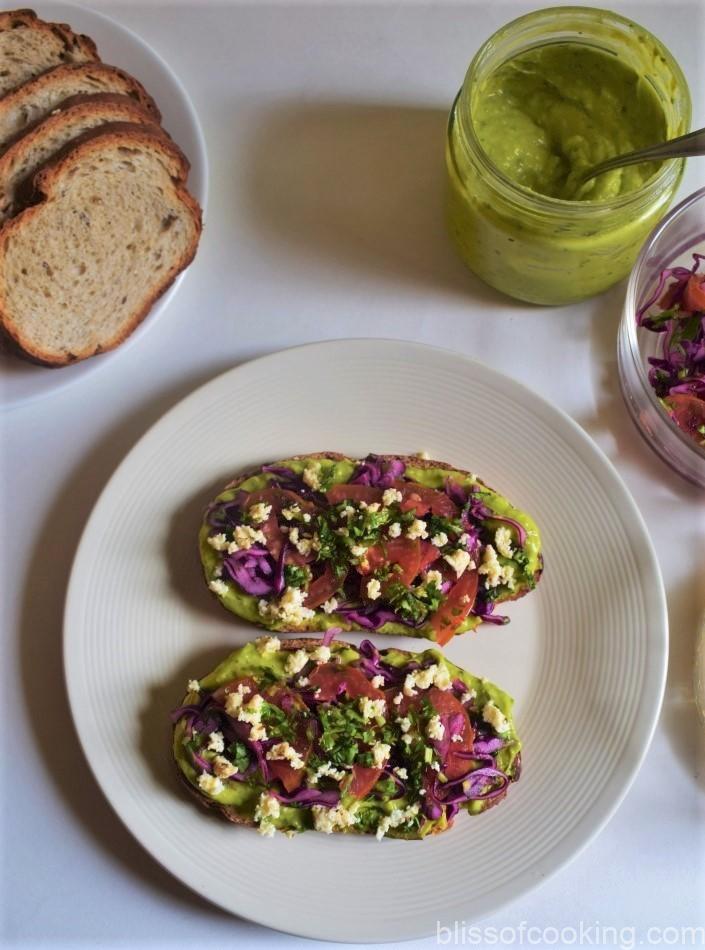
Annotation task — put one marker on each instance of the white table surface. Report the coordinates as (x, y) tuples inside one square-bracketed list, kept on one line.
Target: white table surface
[(325, 129)]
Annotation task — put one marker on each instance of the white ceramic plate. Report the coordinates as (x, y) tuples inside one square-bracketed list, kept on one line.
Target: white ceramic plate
[(20, 380), (585, 655)]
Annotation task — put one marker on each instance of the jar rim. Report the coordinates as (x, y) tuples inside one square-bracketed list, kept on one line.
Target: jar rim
[(640, 197)]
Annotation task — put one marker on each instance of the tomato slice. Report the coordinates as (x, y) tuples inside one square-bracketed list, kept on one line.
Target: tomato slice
[(455, 607), (323, 588), (447, 705), (694, 293), (347, 492), (292, 704), (403, 552), (364, 779), (429, 553), (422, 500), (278, 498), (232, 687), (331, 678), (688, 412)]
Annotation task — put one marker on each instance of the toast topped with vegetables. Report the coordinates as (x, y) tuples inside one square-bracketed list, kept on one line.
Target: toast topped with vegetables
[(395, 544), (319, 734)]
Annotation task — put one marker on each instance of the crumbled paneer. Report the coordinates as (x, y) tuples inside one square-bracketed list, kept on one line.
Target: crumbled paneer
[(267, 810), (468, 696), (260, 512), (233, 701), (398, 699), (267, 645), (490, 567), (394, 530), (291, 513), (441, 677), (374, 507), (289, 609), (302, 682), (194, 686), (244, 537), (434, 577), (404, 723), (459, 560), (503, 541), (508, 576), (258, 733), (321, 654), (358, 550), (329, 820), (407, 739), (222, 767), (440, 539), (327, 770), (390, 496), (312, 475), (401, 773), (380, 754), (216, 742), (287, 753), (374, 588), (417, 529), (347, 512), (456, 737), (434, 675), (495, 717), (210, 784), (219, 587), (218, 542), (372, 708), (330, 606), (251, 712), (397, 818), (377, 682), (435, 728), (295, 662)]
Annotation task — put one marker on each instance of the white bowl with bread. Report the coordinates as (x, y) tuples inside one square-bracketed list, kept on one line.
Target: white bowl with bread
[(100, 195)]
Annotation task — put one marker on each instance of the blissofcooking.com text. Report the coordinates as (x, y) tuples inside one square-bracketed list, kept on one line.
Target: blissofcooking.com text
[(583, 934)]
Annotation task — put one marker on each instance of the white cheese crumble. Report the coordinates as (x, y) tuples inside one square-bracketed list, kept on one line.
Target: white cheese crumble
[(434, 577), (374, 588), (219, 587), (233, 701), (358, 550), (503, 541), (302, 682), (435, 728), (289, 609), (194, 686), (330, 606), (328, 770), (216, 742), (490, 567), (312, 475), (210, 784), (347, 512), (223, 767), (287, 753), (380, 754), (291, 513), (495, 717), (268, 808), (417, 529), (407, 739), (398, 699), (329, 820), (468, 696), (267, 645), (459, 560), (295, 662), (434, 675), (372, 708), (456, 737), (377, 682), (397, 818), (260, 512), (394, 530), (373, 507), (218, 542), (440, 539), (390, 496), (401, 772), (250, 712), (244, 537), (404, 724), (321, 654)]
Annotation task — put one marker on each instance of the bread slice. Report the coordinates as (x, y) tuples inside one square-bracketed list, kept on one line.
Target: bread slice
[(36, 99), (29, 46), (509, 759), (112, 226), (75, 117)]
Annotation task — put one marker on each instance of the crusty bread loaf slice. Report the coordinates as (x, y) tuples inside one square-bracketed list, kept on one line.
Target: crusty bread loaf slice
[(76, 116), (29, 46), (36, 99), (112, 226)]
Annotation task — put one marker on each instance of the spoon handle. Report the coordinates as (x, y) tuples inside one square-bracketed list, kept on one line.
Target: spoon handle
[(682, 147)]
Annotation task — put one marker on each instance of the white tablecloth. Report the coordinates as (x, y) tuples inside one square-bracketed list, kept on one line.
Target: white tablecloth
[(325, 131)]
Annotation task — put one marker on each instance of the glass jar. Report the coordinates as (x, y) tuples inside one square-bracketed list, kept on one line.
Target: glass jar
[(549, 250)]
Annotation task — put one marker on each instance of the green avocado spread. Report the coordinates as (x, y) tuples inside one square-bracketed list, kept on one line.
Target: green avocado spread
[(350, 739), (549, 113), (524, 561)]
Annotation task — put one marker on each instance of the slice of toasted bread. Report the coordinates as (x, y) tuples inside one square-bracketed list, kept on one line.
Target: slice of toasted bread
[(36, 147), (29, 46), (36, 99), (481, 689), (112, 226), (526, 574)]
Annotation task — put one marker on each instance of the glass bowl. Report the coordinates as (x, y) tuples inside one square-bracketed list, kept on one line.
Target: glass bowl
[(672, 242)]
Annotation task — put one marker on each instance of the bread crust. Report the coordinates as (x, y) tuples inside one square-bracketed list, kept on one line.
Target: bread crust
[(123, 134), (409, 461), (308, 643)]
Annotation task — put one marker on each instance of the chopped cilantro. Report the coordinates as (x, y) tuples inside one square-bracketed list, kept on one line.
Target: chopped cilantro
[(295, 576)]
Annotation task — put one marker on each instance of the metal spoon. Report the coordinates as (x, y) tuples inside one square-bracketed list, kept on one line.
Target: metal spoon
[(682, 147)]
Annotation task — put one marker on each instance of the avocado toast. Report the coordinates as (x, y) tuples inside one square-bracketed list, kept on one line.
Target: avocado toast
[(319, 734), (396, 544)]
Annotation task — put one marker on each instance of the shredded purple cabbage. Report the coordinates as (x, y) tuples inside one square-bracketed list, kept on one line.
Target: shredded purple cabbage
[(378, 472), (287, 478), (253, 570), (307, 797)]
